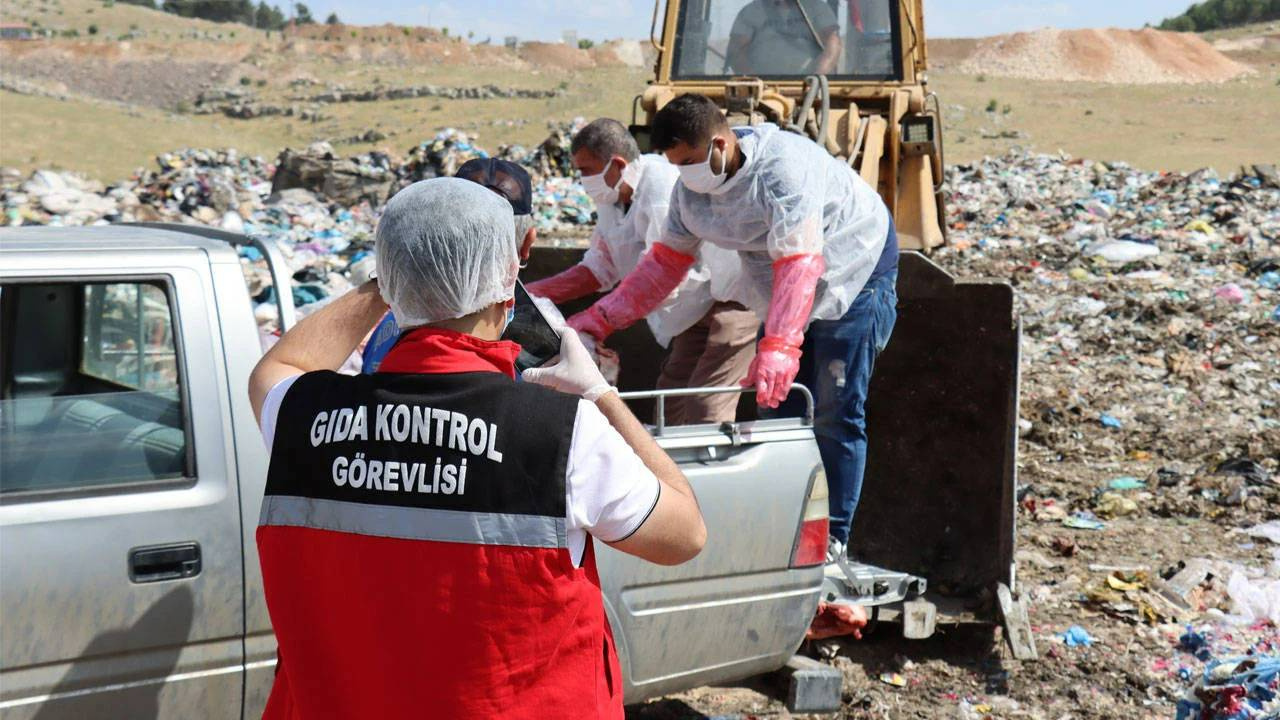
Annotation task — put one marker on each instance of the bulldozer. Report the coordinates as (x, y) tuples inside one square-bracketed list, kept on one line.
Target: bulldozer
[(938, 502)]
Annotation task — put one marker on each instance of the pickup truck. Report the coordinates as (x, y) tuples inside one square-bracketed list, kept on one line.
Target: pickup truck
[(131, 475)]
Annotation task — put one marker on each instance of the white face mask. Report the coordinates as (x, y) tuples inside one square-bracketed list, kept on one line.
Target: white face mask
[(598, 188), (700, 178)]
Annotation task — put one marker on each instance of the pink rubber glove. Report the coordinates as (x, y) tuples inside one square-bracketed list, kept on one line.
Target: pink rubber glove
[(568, 285), (639, 293), (795, 285)]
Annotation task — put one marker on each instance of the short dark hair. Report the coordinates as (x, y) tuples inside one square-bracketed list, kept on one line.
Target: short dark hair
[(503, 177), (604, 138), (691, 119)]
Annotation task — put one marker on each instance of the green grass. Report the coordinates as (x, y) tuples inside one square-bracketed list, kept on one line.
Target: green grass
[(1155, 127), (107, 142), (116, 20)]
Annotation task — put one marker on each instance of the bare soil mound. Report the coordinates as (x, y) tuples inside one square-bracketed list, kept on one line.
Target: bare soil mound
[(556, 56), (1107, 55), (133, 73)]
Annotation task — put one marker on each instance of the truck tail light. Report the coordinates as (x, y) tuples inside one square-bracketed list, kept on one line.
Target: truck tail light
[(810, 547)]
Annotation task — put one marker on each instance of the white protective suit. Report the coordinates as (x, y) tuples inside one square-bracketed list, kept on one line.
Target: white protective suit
[(789, 197), (622, 236)]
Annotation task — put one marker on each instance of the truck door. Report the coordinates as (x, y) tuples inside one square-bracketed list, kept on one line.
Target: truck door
[(121, 575), (742, 606)]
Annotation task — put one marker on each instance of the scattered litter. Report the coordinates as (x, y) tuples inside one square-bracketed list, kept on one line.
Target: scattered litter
[(1238, 688), (1268, 531), (894, 679), (1113, 504), (1075, 636), (1127, 483), (1122, 252), (1083, 521), (1232, 293)]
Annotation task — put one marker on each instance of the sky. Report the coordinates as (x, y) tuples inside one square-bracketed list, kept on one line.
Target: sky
[(608, 19)]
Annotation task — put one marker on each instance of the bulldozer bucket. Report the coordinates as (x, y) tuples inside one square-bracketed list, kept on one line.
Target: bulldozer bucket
[(938, 499)]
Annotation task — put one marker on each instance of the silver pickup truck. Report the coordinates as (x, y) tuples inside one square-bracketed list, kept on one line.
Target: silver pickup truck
[(131, 474)]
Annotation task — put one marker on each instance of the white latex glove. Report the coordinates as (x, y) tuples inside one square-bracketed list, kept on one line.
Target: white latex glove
[(576, 373)]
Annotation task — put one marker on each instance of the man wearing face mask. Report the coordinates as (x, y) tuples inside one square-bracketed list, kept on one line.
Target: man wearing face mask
[(711, 335), (820, 258)]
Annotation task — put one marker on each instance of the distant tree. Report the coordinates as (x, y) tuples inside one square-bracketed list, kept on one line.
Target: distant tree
[(144, 3), (268, 17), (93, 29), (332, 19), (302, 15), (585, 44), (1217, 14)]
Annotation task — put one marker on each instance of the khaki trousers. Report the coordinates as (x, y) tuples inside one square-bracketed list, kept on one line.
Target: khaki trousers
[(717, 350)]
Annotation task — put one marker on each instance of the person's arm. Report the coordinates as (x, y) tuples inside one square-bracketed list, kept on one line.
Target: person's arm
[(567, 285), (657, 275), (674, 531), (322, 341), (736, 54), (777, 361), (831, 49), (740, 35)]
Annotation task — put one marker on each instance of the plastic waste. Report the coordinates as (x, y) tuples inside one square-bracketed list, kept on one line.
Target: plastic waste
[(1120, 252), (1076, 636), (1232, 293), (1126, 483), (1267, 530)]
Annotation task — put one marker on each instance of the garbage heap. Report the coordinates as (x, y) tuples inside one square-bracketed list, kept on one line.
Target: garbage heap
[(1150, 315), (1149, 431), (320, 207)]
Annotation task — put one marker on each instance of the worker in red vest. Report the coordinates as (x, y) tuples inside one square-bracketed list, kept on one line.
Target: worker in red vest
[(425, 535)]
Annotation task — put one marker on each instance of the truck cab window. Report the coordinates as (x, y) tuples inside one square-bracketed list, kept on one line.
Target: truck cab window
[(90, 386), (787, 39)]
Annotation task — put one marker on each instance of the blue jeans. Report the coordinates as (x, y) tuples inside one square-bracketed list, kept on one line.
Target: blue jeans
[(838, 356)]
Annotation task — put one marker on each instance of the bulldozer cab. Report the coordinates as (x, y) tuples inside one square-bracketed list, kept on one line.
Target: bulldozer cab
[(850, 74), (938, 497)]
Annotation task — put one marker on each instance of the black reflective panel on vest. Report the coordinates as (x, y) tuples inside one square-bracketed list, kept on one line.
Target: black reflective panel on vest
[(474, 442)]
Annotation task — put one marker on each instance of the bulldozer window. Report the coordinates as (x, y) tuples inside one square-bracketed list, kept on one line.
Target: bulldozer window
[(781, 39)]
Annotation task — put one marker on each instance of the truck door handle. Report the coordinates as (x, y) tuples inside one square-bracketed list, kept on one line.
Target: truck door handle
[(155, 563)]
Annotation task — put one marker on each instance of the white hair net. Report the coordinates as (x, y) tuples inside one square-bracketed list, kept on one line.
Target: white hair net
[(444, 250)]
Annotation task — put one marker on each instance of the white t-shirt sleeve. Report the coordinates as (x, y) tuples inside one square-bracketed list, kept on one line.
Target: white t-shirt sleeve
[(271, 409), (609, 491)]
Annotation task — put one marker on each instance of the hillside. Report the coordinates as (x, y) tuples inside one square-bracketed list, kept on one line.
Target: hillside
[(118, 20)]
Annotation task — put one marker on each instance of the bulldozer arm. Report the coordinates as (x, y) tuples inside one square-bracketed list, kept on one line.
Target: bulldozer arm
[(938, 499)]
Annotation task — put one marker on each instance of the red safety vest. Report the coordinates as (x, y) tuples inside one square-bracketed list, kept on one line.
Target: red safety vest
[(420, 598)]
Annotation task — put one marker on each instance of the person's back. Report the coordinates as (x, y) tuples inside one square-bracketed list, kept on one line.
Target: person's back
[(425, 536), (484, 594)]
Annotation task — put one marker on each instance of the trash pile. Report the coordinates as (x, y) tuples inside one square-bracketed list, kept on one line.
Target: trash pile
[(1149, 302), (320, 207), (1149, 430)]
